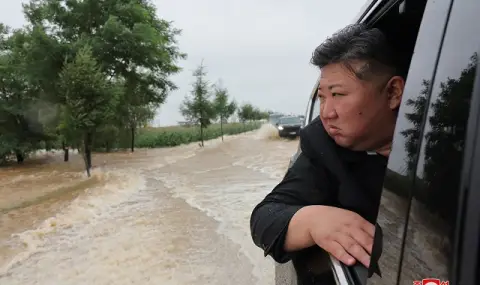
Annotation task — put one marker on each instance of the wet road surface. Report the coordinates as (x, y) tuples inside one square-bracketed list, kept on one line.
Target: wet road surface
[(161, 216)]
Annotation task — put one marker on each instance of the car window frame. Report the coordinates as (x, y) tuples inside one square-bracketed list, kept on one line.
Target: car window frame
[(466, 239), (339, 272), (466, 257), (467, 243), (312, 101), (315, 107)]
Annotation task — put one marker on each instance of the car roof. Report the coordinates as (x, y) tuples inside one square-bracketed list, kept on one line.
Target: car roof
[(367, 6)]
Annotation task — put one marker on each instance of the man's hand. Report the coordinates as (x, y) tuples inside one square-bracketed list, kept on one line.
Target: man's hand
[(342, 233)]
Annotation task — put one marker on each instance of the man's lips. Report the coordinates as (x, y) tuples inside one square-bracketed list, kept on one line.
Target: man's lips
[(333, 130)]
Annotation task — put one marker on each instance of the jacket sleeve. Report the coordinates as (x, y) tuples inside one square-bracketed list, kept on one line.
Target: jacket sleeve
[(300, 187)]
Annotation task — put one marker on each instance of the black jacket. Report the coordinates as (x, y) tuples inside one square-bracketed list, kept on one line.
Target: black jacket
[(323, 174)]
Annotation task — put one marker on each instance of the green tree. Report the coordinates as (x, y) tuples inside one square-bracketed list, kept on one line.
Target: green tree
[(20, 128), (258, 114), (245, 113), (135, 51), (89, 100), (139, 115), (197, 108), (128, 41), (223, 108)]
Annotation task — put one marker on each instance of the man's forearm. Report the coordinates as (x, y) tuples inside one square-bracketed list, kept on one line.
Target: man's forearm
[(298, 234)]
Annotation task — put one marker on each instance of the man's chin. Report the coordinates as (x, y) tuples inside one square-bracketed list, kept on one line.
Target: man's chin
[(342, 141), (347, 143)]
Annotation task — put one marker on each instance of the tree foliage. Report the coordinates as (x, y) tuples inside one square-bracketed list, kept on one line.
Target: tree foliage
[(223, 108), (82, 70), (443, 143), (197, 107), (247, 112)]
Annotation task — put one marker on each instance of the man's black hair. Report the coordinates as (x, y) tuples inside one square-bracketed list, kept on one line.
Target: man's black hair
[(357, 42)]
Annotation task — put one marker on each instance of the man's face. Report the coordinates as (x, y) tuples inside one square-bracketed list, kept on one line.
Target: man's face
[(358, 114)]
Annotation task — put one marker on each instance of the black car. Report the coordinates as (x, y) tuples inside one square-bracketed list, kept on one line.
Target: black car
[(289, 126), (273, 118), (430, 207)]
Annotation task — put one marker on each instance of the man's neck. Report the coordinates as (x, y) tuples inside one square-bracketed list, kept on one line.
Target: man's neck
[(385, 150)]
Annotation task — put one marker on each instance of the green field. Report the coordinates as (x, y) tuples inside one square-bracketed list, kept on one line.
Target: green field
[(176, 135)]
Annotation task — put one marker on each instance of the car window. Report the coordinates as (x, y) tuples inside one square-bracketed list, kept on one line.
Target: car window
[(433, 214), (290, 120), (313, 106), (402, 161), (316, 108)]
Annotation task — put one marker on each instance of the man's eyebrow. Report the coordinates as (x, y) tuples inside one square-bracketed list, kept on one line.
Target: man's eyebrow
[(330, 87)]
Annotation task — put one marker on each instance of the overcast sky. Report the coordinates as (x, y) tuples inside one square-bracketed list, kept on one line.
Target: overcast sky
[(260, 50)]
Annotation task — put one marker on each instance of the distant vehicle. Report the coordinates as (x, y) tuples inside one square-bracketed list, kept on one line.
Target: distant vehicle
[(289, 126), (275, 117)]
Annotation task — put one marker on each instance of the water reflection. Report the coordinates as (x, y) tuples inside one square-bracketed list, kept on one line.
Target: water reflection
[(435, 198), (412, 135)]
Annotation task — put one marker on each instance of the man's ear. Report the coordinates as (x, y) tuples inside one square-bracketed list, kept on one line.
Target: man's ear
[(395, 87)]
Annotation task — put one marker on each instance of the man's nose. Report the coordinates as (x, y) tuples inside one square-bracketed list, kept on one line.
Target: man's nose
[(328, 109)]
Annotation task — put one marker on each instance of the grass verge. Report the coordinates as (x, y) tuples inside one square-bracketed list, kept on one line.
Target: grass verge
[(177, 135)]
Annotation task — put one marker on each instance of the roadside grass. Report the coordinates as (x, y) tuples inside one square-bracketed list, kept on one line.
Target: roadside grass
[(151, 137)]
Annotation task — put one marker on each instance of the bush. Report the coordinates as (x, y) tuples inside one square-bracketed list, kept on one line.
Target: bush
[(177, 135)]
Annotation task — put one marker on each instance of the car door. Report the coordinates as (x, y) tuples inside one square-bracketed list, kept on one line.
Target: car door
[(398, 183), (437, 242)]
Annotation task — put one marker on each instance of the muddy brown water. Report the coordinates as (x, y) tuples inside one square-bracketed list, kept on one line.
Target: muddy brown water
[(161, 216)]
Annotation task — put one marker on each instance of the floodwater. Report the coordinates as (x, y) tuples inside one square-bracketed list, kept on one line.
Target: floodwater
[(161, 216)]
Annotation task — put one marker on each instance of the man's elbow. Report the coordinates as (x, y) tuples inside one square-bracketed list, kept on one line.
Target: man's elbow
[(256, 220), (264, 227), (269, 225)]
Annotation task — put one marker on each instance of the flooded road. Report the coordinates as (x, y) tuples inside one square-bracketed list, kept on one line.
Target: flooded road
[(162, 216)]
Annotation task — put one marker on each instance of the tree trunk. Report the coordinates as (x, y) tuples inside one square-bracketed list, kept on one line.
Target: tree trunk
[(20, 156), (65, 151), (107, 147), (132, 143), (221, 127), (201, 134), (88, 152)]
